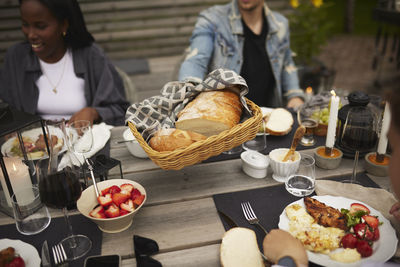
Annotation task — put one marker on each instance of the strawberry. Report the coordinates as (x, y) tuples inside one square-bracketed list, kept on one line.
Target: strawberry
[(119, 198), (122, 212), (112, 211), (139, 200), (376, 235), (105, 191), (16, 262), (98, 212), (364, 248), (105, 200), (362, 232), (358, 207), (135, 193), (372, 221), (114, 189), (349, 241), (128, 206), (127, 187)]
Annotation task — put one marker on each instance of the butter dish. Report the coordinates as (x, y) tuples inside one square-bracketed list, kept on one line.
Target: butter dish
[(254, 164)]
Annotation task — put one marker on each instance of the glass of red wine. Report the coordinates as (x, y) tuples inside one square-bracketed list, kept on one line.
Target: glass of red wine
[(60, 188), (359, 134)]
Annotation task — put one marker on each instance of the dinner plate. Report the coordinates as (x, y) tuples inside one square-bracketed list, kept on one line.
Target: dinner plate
[(383, 249), (27, 252), (32, 134)]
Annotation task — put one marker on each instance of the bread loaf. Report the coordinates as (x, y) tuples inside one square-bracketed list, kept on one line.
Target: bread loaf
[(280, 122), (239, 248), (171, 139), (211, 113)]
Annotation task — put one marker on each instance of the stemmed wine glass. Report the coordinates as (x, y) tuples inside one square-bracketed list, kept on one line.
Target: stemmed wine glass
[(359, 134), (59, 188)]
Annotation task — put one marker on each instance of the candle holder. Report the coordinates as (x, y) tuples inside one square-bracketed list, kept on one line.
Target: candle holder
[(377, 164), (327, 158), (18, 134)]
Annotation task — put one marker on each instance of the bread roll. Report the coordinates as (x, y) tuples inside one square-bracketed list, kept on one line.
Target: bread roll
[(280, 122), (171, 139), (211, 113), (239, 248)]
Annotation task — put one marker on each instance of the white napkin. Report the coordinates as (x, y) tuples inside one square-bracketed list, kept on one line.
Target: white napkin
[(101, 134)]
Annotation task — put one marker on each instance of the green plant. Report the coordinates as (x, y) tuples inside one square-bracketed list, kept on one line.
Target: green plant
[(309, 28)]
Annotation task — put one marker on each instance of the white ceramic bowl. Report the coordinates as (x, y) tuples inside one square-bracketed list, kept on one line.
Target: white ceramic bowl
[(88, 201), (282, 170), (254, 164), (133, 146)]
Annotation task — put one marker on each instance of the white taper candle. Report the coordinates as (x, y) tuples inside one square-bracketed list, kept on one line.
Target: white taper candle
[(333, 114)]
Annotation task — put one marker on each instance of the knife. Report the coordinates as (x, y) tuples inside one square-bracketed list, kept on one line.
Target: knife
[(227, 219), (46, 262)]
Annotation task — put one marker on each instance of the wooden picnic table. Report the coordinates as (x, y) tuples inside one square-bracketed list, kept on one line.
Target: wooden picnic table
[(180, 213)]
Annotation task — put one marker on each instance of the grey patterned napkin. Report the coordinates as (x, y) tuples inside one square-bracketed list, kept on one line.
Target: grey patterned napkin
[(161, 110)]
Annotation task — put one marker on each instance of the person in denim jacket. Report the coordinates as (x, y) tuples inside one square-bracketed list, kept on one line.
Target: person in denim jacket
[(220, 40)]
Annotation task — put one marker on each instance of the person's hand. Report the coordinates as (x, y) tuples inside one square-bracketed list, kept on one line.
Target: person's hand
[(295, 102), (395, 211), (87, 114), (278, 244)]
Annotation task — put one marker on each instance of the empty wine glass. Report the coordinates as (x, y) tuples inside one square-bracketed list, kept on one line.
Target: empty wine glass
[(81, 137), (59, 188), (308, 116), (359, 134)]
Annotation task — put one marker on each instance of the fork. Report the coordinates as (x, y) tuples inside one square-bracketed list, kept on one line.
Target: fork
[(251, 216), (59, 254)]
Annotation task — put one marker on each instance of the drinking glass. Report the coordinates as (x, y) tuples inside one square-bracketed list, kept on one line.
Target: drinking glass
[(59, 188), (81, 141), (308, 116), (258, 143), (359, 134), (302, 183)]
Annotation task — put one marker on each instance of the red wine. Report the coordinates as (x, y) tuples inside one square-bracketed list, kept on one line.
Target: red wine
[(60, 190)]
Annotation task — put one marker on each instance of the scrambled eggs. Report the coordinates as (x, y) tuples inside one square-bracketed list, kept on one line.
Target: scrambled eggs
[(314, 237)]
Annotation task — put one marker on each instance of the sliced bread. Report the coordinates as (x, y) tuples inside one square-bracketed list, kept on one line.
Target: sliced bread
[(280, 122), (239, 248)]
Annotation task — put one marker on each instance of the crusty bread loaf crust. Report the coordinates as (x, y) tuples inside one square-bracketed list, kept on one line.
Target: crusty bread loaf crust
[(171, 139), (280, 122), (239, 248), (211, 112)]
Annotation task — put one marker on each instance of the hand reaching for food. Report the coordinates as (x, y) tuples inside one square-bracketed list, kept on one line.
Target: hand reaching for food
[(85, 114)]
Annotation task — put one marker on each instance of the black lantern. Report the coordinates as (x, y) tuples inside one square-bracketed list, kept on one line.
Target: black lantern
[(19, 132), (367, 115)]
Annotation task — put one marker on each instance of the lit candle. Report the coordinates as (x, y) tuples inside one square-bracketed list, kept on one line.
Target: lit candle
[(18, 174), (331, 132), (382, 145), (309, 93)]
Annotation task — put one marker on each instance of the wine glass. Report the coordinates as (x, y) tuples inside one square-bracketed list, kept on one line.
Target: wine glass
[(59, 188), (359, 134), (308, 116)]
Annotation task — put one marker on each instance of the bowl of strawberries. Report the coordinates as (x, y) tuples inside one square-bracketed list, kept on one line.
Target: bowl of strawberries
[(114, 209)]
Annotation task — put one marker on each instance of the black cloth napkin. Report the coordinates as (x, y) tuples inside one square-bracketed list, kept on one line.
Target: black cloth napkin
[(274, 142), (55, 232), (268, 204)]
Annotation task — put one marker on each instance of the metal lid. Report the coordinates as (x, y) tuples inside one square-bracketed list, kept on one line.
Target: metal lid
[(255, 159)]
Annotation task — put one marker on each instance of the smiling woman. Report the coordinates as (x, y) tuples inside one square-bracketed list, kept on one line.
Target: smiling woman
[(59, 72)]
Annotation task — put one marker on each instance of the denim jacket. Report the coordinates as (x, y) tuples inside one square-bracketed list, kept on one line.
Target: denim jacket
[(217, 42)]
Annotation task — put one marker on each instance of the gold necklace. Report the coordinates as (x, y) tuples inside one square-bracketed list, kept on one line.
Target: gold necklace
[(59, 80)]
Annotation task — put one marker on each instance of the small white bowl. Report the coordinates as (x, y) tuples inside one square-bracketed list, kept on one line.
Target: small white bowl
[(282, 170), (254, 164), (133, 146), (88, 201)]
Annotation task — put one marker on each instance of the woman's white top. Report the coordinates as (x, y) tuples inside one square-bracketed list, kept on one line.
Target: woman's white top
[(64, 94)]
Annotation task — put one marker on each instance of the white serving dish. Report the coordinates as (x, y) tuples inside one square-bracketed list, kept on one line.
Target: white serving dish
[(254, 164), (133, 146)]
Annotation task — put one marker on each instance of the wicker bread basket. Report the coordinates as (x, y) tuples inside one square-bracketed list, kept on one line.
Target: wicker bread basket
[(202, 150)]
